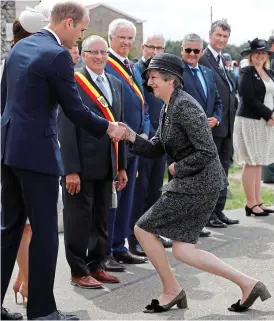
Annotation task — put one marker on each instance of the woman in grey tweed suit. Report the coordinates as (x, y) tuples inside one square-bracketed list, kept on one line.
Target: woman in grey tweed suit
[(198, 177)]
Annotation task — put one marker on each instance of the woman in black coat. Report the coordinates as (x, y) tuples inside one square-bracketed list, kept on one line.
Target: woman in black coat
[(182, 212), (254, 124)]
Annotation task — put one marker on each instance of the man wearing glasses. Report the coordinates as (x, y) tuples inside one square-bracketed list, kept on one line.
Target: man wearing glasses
[(151, 171), (121, 36), (90, 166)]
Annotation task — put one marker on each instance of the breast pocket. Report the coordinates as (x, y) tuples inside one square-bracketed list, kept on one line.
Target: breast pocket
[(49, 131)]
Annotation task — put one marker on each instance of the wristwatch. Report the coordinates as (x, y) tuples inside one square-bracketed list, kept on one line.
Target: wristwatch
[(218, 124)]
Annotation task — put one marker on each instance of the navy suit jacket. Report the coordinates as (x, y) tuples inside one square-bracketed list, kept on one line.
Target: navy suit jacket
[(213, 105), (135, 117), (154, 104), (39, 74)]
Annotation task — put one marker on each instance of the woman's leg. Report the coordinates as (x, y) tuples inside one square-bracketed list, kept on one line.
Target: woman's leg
[(249, 179), (205, 261), (157, 255), (23, 259)]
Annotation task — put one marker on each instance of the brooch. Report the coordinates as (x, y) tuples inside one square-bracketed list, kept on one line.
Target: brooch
[(257, 77)]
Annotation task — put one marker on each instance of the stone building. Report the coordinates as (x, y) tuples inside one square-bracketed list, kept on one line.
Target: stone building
[(9, 11), (101, 16)]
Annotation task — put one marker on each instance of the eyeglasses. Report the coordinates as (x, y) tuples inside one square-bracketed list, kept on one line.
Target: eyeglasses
[(189, 50), (123, 38), (153, 47), (97, 52)]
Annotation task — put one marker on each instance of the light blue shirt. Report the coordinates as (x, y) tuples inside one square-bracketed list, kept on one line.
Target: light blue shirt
[(200, 76)]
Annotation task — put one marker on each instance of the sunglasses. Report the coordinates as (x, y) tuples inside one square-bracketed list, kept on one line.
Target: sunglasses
[(189, 50)]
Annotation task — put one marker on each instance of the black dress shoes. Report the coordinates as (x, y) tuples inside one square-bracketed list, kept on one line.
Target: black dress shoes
[(57, 315), (227, 220), (205, 233), (111, 265), (137, 250), (6, 315), (166, 242), (216, 223), (129, 258)]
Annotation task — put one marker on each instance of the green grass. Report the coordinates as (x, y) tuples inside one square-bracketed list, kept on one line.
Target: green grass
[(238, 196)]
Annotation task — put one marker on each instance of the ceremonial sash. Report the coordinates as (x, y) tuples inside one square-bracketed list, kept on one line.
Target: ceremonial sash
[(100, 101), (129, 79)]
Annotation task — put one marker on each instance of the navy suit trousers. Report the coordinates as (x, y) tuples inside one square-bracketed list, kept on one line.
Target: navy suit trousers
[(33, 195), (119, 219)]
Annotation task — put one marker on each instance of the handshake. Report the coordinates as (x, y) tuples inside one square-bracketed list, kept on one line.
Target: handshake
[(120, 131)]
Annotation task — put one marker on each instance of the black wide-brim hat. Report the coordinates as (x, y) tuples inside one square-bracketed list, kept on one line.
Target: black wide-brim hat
[(167, 62), (256, 45)]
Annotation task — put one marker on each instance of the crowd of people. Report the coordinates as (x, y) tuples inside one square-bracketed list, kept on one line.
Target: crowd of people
[(109, 130)]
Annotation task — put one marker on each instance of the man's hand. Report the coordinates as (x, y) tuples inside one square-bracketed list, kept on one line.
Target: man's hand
[(212, 122), (144, 135), (116, 130), (171, 169), (73, 184), (122, 180), (270, 122)]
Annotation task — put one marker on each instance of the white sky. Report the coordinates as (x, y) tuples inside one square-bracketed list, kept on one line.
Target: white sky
[(175, 18)]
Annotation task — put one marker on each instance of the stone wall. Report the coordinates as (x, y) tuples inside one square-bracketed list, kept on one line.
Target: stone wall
[(8, 14), (101, 17)]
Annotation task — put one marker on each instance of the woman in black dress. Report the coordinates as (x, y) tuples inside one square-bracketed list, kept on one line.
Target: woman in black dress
[(182, 212)]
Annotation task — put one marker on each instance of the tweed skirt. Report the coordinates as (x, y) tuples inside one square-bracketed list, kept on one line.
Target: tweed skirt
[(179, 217)]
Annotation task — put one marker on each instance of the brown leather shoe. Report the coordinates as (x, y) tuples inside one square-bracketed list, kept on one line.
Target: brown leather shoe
[(104, 277), (86, 282)]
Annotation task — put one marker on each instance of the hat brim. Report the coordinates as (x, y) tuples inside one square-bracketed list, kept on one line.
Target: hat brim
[(144, 73), (246, 52)]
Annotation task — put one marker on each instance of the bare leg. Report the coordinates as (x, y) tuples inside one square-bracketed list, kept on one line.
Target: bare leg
[(205, 261), (157, 255), (23, 260), (249, 179)]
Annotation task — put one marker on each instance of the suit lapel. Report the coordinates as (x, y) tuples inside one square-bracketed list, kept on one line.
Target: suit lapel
[(215, 65)]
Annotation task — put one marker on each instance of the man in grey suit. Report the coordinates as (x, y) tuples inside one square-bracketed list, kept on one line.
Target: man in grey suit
[(91, 165), (212, 58)]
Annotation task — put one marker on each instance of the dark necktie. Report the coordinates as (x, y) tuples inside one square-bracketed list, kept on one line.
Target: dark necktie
[(198, 84), (127, 65), (223, 71)]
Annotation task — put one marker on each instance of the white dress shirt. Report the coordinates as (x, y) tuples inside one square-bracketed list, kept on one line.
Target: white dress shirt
[(105, 83)]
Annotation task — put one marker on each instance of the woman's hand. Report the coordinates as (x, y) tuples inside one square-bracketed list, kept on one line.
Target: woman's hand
[(171, 169), (130, 134), (270, 122)]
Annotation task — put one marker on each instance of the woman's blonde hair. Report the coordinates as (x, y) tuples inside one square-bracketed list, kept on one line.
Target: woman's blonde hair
[(266, 64)]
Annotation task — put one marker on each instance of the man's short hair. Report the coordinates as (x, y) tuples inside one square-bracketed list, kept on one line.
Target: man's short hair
[(86, 43), (193, 37), (120, 23), (222, 24), (69, 9), (157, 35)]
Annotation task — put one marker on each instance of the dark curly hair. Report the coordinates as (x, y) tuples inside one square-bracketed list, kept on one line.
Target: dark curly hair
[(18, 32)]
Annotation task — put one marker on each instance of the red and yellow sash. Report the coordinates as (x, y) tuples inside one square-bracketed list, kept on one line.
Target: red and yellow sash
[(119, 69), (95, 96)]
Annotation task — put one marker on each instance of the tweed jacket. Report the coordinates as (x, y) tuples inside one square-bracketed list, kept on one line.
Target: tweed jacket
[(185, 136)]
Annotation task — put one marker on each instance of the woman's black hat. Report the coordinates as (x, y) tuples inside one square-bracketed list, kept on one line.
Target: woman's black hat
[(256, 45), (167, 62)]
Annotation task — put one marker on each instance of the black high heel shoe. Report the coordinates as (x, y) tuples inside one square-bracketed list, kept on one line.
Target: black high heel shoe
[(249, 211), (266, 210), (155, 307), (259, 290)]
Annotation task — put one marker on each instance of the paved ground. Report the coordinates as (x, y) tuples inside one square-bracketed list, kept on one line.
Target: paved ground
[(248, 246)]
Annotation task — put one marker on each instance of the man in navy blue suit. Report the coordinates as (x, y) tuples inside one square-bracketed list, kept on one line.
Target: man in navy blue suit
[(199, 82), (38, 74)]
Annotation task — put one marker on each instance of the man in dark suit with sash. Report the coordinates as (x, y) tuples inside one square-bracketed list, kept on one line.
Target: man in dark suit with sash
[(121, 36), (38, 74), (91, 166), (223, 134)]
